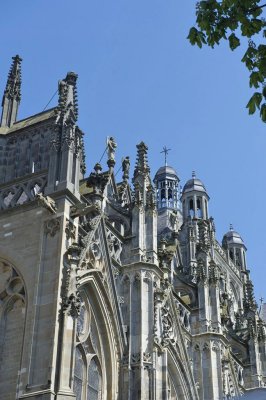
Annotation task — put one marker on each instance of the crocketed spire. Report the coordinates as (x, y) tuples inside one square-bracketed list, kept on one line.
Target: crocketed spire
[(142, 166), (67, 103), (12, 94)]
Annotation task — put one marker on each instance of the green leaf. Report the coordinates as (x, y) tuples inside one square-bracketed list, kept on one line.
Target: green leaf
[(255, 78), (192, 36), (251, 106), (263, 112), (234, 42)]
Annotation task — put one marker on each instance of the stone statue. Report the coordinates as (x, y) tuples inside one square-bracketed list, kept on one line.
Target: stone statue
[(111, 144), (125, 168)]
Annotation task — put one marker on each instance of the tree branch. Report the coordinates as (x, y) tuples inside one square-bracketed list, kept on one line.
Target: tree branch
[(256, 8)]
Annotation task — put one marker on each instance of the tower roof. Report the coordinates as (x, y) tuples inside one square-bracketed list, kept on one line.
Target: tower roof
[(233, 237), (166, 170), (194, 184)]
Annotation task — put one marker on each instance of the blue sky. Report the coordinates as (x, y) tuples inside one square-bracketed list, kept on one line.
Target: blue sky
[(140, 79)]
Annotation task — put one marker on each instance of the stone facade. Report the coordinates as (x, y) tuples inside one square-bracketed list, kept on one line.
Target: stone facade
[(111, 291)]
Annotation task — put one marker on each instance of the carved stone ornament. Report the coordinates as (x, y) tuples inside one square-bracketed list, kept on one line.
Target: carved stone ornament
[(71, 303), (70, 230), (52, 226), (163, 320), (135, 358), (46, 202), (115, 246), (147, 357)]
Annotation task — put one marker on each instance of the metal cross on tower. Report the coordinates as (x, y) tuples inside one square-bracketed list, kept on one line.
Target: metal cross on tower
[(165, 151)]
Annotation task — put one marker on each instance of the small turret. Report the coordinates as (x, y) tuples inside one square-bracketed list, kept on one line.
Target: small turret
[(167, 193), (194, 199), (12, 94), (166, 183), (233, 243)]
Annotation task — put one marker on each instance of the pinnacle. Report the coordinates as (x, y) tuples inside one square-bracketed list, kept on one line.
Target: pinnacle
[(71, 78), (142, 162)]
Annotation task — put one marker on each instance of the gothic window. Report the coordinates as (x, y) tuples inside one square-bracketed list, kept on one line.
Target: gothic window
[(12, 321), (231, 254), (94, 380), (87, 370), (172, 392), (81, 320), (78, 374)]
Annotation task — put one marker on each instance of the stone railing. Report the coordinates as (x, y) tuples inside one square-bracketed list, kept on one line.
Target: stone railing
[(20, 191)]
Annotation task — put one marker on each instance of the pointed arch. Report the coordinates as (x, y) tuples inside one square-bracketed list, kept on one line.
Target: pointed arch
[(12, 326), (181, 386), (98, 350)]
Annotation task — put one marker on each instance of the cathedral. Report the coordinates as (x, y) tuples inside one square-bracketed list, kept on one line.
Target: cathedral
[(114, 290)]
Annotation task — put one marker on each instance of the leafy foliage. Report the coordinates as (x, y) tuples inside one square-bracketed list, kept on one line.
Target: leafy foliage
[(227, 20)]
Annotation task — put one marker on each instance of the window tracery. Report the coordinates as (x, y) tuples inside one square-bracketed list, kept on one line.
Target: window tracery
[(12, 321), (88, 378)]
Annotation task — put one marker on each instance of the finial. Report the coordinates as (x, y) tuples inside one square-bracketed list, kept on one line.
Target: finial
[(261, 300), (193, 174), (12, 93), (141, 162), (97, 168), (231, 227), (165, 151), (71, 78)]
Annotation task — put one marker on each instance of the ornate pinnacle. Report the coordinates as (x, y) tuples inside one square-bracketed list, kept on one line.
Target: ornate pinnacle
[(67, 102), (13, 86), (12, 93), (142, 166)]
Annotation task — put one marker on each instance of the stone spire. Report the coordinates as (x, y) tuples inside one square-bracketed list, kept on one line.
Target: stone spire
[(12, 94), (67, 102), (142, 167), (66, 165)]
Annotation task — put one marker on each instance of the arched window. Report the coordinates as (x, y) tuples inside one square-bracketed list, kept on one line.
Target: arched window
[(191, 208), (78, 374), (170, 198), (199, 209), (88, 378), (12, 322), (238, 258), (94, 380)]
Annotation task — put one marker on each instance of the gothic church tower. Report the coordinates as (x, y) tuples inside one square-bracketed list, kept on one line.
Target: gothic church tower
[(110, 291)]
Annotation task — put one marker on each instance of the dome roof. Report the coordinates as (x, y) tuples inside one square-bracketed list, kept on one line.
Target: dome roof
[(194, 184), (233, 237), (166, 170)]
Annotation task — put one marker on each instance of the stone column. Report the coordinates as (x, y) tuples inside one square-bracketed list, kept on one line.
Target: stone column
[(67, 335)]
